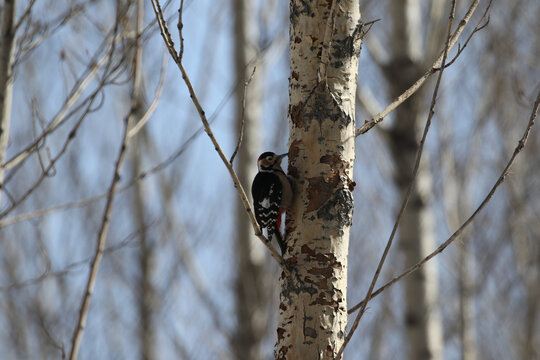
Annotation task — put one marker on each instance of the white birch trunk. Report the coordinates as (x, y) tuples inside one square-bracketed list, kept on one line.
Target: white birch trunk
[(251, 293), (313, 307)]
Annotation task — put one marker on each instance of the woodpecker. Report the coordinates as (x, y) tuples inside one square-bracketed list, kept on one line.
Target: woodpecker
[(272, 195)]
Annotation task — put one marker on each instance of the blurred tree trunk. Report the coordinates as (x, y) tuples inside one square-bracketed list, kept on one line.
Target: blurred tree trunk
[(526, 247), (522, 212), (466, 302), (7, 46), (145, 288), (251, 293), (324, 45), (417, 237), (15, 322), (457, 204)]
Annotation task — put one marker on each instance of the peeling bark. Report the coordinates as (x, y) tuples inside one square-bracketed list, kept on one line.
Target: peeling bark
[(322, 86)]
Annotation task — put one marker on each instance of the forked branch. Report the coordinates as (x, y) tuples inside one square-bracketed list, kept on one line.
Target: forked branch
[(169, 43), (520, 146), (410, 188), (369, 124)]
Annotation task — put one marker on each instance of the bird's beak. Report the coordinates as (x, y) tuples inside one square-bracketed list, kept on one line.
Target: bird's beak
[(282, 156)]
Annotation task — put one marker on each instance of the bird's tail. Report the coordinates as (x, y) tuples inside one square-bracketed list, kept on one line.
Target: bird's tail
[(280, 240)]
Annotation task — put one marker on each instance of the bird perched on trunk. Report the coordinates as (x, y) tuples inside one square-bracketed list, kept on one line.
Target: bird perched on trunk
[(272, 195)]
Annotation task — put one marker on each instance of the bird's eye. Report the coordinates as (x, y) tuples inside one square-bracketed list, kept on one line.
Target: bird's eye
[(269, 158)]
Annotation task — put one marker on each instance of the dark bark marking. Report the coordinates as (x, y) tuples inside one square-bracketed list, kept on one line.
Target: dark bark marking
[(334, 161), (307, 250), (326, 272), (327, 258), (296, 113), (320, 284), (321, 300), (339, 207), (282, 353), (311, 332), (291, 263), (321, 105), (331, 200), (320, 190), (293, 155), (281, 333), (329, 351), (349, 46), (301, 7)]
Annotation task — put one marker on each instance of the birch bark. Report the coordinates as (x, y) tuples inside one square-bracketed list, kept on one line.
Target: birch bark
[(325, 42)]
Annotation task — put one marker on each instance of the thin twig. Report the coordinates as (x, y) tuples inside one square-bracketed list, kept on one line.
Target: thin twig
[(105, 222), (102, 239), (74, 265), (180, 25), (153, 106), (109, 70), (368, 124), (24, 16), (78, 89), (241, 192), (242, 118), (521, 144), (155, 169), (52, 162), (480, 25), (409, 190)]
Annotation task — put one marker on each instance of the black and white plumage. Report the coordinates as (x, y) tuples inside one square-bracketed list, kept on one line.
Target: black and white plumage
[(272, 195)]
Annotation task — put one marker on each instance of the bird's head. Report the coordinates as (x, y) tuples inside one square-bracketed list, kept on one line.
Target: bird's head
[(269, 160)]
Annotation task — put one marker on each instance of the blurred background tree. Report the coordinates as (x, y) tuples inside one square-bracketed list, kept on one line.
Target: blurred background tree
[(172, 283)]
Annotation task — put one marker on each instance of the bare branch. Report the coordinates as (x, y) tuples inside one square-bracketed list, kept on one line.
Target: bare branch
[(153, 170), (61, 116), (25, 14), (368, 124), (74, 266), (148, 113), (46, 171), (29, 41), (102, 239), (242, 120), (241, 192), (480, 25), (180, 25), (521, 144), (105, 222), (410, 188)]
